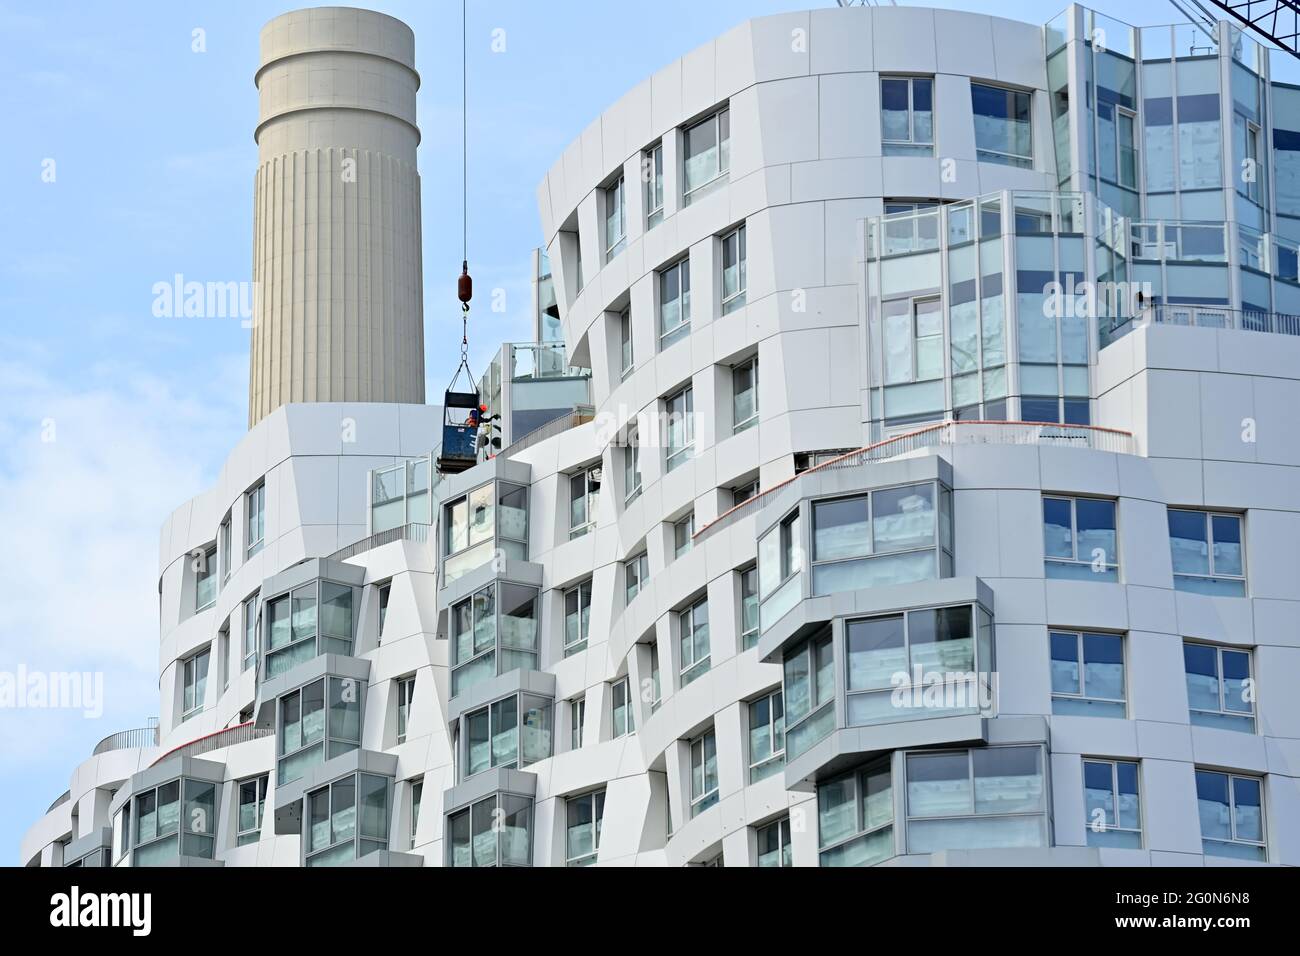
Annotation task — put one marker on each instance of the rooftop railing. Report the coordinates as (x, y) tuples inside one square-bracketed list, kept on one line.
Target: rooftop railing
[(241, 734), (936, 435), (127, 739), (407, 532)]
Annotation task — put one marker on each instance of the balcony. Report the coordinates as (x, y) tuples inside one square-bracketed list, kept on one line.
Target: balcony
[(241, 734), (1206, 317), (127, 739), (938, 435)]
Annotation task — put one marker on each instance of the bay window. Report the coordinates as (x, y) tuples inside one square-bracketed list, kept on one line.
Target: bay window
[(855, 817), (974, 799), (297, 632), (496, 831), (494, 631), (347, 819), (809, 693), (310, 732), (512, 732), (490, 518)]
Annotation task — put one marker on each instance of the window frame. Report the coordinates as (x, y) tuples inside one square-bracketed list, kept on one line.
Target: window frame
[(1213, 575), (748, 635), (209, 575), (862, 828), (255, 518), (687, 624), (626, 344), (616, 192), (405, 687), (1111, 574), (910, 146), (763, 768), (1113, 764), (679, 455), (592, 477), (584, 621), (252, 632), (1080, 661), (632, 466), (194, 684), (736, 240), (681, 268), (683, 534), (577, 718), (1231, 778), (783, 850), (749, 366), (708, 795), (1251, 715), (638, 566), (596, 799), (260, 782), (720, 118), (999, 157), (624, 686), (652, 159)]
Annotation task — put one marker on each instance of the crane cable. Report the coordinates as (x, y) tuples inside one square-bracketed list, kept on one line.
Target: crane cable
[(465, 288)]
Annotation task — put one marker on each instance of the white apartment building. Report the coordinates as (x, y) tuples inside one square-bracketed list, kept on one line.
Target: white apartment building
[(971, 573)]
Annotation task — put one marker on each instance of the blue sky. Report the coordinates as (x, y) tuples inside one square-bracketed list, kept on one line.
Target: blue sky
[(110, 417)]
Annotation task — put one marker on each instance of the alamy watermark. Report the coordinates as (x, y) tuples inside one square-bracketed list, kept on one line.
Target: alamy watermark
[(54, 690)]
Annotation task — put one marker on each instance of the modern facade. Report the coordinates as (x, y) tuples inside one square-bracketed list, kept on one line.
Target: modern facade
[(993, 563)]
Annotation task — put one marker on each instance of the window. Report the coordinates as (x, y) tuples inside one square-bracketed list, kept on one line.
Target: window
[(1087, 674), (472, 522), (584, 491), (622, 720), (496, 831), (582, 833), (417, 796), (625, 354), (252, 805), (855, 818), (704, 772), (766, 736), (512, 732), (1079, 539), (693, 637), (734, 270), (655, 685), (1003, 133), (577, 717), (227, 556), (637, 572), (494, 631), (313, 619), (972, 799), (1206, 552), (674, 303), (907, 115), (680, 426), (205, 579), (405, 694), (1111, 803), (1125, 147), (577, 617), (1232, 815), (742, 493), (891, 536), (744, 395), (194, 684), (683, 532), (122, 833), (399, 495), (309, 733), (255, 509), (707, 152), (1246, 136), (896, 662), (652, 173), (346, 819), (774, 843), (161, 816), (252, 631), (913, 340), (385, 591), (748, 608), (809, 693), (1220, 691), (632, 467), (615, 219)]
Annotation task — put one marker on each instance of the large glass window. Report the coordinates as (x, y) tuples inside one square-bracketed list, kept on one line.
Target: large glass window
[(512, 732), (766, 736), (1079, 539), (913, 340), (205, 579), (707, 151), (252, 807), (907, 115), (774, 843), (577, 617), (1087, 674), (255, 510), (582, 833), (674, 302), (693, 638), (734, 270), (972, 799), (923, 663), (744, 395), (679, 425), (652, 173), (309, 733), (615, 219), (855, 817), (194, 684), (298, 633), (780, 559), (809, 693), (584, 493), (494, 631), (890, 536), (497, 831), (1003, 130), (1232, 815), (1111, 803), (622, 721), (1206, 551), (399, 495), (347, 819), (177, 818), (704, 772), (1220, 689)]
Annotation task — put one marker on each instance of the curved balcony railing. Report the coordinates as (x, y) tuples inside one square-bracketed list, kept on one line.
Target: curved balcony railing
[(241, 734), (944, 433), (62, 799), (126, 739), (407, 532)]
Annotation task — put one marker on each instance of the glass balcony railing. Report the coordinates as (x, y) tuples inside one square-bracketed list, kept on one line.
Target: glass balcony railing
[(542, 360)]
